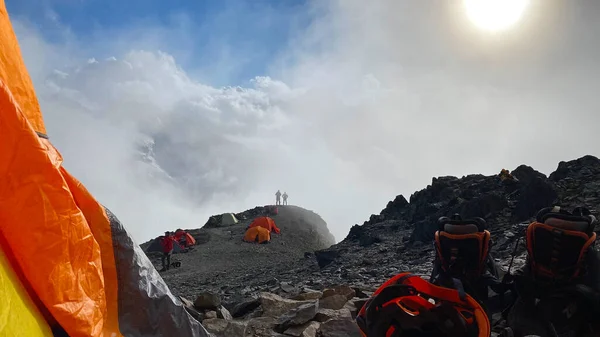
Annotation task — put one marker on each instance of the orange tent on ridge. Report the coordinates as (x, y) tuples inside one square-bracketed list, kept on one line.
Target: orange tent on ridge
[(257, 234), (265, 222), (189, 239)]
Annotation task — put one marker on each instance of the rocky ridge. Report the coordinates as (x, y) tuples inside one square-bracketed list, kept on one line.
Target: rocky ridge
[(222, 263), (396, 240), (400, 237)]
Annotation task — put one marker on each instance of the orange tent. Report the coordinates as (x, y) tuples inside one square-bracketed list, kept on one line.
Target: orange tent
[(80, 272), (257, 234), (189, 239), (265, 222)]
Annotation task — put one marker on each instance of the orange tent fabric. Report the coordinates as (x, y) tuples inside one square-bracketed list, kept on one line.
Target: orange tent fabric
[(265, 222), (189, 239), (80, 266), (257, 234)]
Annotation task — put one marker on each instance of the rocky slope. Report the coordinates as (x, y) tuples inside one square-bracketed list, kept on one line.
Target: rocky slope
[(400, 237), (222, 263), (396, 240)]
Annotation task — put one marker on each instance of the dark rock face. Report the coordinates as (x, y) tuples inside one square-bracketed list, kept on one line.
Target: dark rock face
[(533, 196), (405, 229)]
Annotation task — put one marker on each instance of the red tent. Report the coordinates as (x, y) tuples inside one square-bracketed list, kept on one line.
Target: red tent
[(265, 222), (184, 238)]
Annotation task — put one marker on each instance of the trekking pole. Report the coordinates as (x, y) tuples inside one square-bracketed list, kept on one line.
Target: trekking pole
[(513, 255)]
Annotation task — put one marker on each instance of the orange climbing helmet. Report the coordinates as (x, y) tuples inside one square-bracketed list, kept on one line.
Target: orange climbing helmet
[(407, 305)]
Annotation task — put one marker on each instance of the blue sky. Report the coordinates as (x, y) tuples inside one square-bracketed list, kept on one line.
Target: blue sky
[(223, 42)]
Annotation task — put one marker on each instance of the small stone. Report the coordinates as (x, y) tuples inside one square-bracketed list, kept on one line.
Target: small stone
[(224, 313)]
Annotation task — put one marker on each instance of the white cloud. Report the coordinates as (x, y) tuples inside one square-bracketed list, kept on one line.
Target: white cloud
[(378, 99)]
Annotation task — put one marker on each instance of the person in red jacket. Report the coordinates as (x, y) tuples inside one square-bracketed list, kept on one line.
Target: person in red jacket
[(167, 242)]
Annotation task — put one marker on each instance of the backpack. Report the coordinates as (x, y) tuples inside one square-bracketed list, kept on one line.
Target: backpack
[(552, 292), (462, 255), (557, 243)]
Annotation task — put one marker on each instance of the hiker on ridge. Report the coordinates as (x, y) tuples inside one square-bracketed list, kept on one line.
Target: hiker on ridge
[(278, 198), (167, 242), (285, 196)]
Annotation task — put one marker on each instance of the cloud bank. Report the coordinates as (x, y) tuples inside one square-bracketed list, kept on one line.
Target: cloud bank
[(366, 103)]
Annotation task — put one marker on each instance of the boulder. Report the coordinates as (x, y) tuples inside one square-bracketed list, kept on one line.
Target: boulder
[(344, 290), (275, 306), (334, 302), (216, 326), (297, 316), (245, 307), (324, 315), (207, 301), (308, 329), (325, 257), (261, 327), (311, 295), (352, 307)]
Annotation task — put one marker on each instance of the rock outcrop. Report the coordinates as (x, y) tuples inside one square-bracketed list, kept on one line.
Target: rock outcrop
[(310, 313), (399, 238)]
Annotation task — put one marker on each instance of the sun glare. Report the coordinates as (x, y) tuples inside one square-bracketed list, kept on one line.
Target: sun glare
[(495, 15)]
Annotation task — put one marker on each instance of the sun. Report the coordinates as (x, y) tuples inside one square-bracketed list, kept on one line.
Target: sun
[(495, 15)]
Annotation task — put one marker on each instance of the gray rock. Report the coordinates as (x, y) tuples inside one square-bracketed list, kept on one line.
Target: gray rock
[(215, 325), (344, 290), (224, 313), (351, 307), (334, 302), (261, 327), (312, 295), (308, 329), (235, 329), (324, 315), (245, 307), (275, 306), (297, 316), (339, 327)]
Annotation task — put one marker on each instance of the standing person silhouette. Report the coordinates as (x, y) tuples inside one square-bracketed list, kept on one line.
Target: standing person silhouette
[(285, 196), (278, 198)]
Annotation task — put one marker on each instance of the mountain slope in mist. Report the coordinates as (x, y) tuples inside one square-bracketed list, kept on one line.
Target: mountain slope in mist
[(222, 262)]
